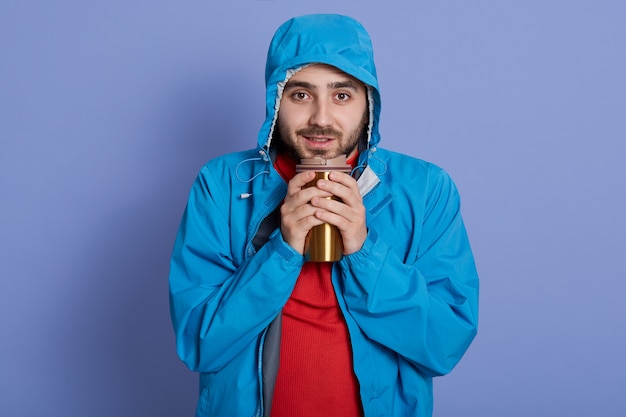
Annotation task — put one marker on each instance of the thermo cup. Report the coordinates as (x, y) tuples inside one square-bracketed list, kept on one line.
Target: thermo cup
[(323, 243)]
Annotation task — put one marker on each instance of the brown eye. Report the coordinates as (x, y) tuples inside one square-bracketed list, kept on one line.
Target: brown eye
[(342, 96)]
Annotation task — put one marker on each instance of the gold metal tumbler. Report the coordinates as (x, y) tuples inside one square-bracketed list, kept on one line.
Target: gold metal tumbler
[(323, 243)]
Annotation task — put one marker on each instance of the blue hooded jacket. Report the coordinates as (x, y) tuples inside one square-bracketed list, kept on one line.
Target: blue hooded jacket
[(409, 296)]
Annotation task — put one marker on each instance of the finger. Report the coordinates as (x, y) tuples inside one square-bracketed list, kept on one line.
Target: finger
[(297, 195), (351, 226), (342, 186), (296, 223), (301, 179), (338, 212)]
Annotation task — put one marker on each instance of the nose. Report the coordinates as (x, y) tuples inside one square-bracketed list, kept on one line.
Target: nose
[(320, 115)]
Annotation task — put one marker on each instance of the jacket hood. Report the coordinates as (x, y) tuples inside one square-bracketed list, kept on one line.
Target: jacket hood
[(336, 40)]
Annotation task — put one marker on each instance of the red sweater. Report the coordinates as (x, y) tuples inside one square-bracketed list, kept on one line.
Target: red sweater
[(315, 377)]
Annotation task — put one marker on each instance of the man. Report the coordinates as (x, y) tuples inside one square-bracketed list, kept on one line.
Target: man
[(274, 335)]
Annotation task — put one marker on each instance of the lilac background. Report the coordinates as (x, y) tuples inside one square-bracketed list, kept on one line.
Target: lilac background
[(109, 108)]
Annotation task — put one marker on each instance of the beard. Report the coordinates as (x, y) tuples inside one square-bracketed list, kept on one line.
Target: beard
[(288, 143)]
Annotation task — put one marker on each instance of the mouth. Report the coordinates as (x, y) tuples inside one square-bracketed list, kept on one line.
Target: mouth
[(319, 141)]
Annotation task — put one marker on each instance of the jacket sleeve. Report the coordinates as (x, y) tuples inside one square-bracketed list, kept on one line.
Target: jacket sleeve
[(424, 309), (218, 307)]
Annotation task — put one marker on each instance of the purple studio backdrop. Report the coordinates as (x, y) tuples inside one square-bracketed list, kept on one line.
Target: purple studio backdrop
[(108, 110)]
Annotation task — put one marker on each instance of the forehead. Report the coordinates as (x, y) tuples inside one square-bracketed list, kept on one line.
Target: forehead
[(324, 75)]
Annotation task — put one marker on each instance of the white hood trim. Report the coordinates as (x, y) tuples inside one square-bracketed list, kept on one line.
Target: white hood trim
[(370, 105), (280, 88)]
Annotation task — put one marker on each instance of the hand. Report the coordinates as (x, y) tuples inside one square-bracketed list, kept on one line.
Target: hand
[(348, 214), (297, 214)]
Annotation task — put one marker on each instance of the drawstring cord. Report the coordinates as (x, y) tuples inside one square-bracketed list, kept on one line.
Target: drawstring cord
[(371, 154), (263, 157)]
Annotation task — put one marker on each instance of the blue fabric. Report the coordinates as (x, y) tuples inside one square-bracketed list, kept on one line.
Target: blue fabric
[(409, 296)]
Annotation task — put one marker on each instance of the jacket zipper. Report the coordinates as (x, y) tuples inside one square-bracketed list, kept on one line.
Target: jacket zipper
[(260, 409), (260, 412)]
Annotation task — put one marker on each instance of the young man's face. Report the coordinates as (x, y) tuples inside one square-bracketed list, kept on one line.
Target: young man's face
[(323, 112)]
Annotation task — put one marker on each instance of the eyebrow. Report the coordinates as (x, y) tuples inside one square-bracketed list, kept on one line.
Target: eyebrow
[(344, 84), (332, 86)]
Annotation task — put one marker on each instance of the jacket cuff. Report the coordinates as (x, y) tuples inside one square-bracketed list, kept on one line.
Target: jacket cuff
[(283, 249), (364, 253)]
